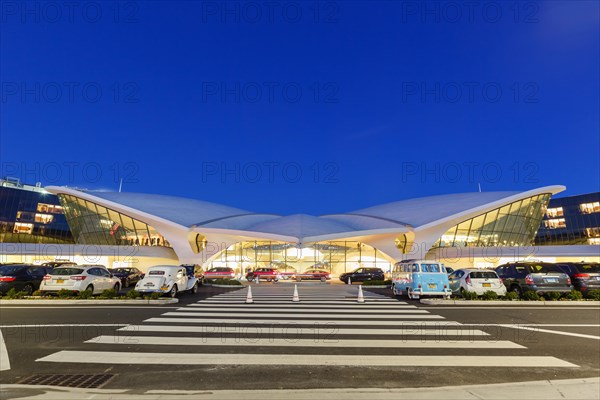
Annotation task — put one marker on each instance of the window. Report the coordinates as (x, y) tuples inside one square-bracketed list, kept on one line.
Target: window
[(44, 218), (430, 267), (594, 240), (592, 232), (555, 212), (589, 208), (23, 228), (49, 208), (555, 223)]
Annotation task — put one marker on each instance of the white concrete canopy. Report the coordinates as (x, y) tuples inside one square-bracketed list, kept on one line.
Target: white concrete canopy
[(424, 219)]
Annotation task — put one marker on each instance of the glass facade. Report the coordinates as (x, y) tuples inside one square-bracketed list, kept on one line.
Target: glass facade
[(336, 257), (92, 223), (514, 224), (571, 220), (31, 216)]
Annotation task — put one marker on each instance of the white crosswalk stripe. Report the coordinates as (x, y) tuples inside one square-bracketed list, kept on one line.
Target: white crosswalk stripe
[(223, 330)]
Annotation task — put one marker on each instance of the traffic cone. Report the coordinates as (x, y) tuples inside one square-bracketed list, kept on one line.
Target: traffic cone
[(296, 298), (361, 298), (249, 299)]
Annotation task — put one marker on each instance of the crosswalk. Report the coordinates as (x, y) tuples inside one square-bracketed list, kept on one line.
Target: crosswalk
[(326, 328)]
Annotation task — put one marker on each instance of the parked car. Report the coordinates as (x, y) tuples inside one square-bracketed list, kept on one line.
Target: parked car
[(476, 280), (362, 275), (95, 278), (419, 278), (584, 276), (194, 270), (128, 276), (535, 276), (270, 274), (219, 273), (313, 274), (21, 277), (167, 279)]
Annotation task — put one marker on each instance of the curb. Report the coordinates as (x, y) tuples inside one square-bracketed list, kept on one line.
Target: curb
[(366, 287), (224, 286), (517, 303), (89, 302)]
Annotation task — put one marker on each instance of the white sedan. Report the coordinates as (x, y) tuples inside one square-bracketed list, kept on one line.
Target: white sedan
[(78, 278), (476, 280), (167, 279)]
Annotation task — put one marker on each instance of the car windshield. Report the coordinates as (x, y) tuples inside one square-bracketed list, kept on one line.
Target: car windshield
[(543, 268), (120, 271), (8, 270), (430, 267), (588, 268), (156, 272), (66, 271), (483, 275)]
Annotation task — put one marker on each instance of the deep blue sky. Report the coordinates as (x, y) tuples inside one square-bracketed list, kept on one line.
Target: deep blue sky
[(362, 99)]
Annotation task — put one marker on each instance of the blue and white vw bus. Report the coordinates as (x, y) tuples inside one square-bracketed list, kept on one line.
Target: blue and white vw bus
[(419, 278)]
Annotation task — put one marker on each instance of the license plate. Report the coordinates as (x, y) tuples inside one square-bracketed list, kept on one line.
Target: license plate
[(432, 286), (149, 284), (552, 280), (486, 284), (163, 288), (60, 281)]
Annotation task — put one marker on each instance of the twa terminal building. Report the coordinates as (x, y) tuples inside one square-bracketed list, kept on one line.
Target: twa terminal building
[(117, 229)]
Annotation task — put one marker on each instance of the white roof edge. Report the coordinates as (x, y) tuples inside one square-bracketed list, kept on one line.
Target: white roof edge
[(344, 235), (242, 233), (129, 211), (553, 189)]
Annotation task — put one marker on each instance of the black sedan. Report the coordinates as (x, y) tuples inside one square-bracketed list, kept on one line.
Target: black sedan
[(21, 277), (128, 276)]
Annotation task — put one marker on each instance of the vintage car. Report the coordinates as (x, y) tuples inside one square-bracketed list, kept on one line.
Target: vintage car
[(420, 278), (167, 279)]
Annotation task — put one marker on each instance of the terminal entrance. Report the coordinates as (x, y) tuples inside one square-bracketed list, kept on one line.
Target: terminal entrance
[(335, 257)]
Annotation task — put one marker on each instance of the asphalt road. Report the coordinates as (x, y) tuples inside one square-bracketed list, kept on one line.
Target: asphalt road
[(215, 341)]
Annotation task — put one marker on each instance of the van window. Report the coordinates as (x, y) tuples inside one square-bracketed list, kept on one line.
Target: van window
[(415, 268), (430, 267)]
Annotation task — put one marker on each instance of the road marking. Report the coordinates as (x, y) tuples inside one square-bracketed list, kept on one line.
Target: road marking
[(297, 306), (132, 358), (55, 325), (296, 315), (323, 329), (4, 360), (356, 310), (295, 342), (540, 307), (536, 329), (294, 322), (289, 301)]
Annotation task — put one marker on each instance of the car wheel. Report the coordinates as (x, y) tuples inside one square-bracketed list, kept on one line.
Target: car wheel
[(90, 288), (117, 287), (517, 289), (173, 292), (194, 288), (394, 291), (127, 283), (28, 289), (409, 293), (323, 280)]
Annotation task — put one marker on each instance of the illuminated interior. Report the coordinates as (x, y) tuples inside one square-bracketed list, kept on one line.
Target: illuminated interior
[(589, 208), (92, 223), (514, 224), (335, 257)]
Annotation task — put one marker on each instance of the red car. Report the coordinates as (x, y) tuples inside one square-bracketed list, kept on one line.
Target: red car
[(219, 273), (270, 274), (313, 274)]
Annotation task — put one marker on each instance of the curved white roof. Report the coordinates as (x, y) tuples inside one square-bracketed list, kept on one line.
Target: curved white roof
[(398, 216)]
